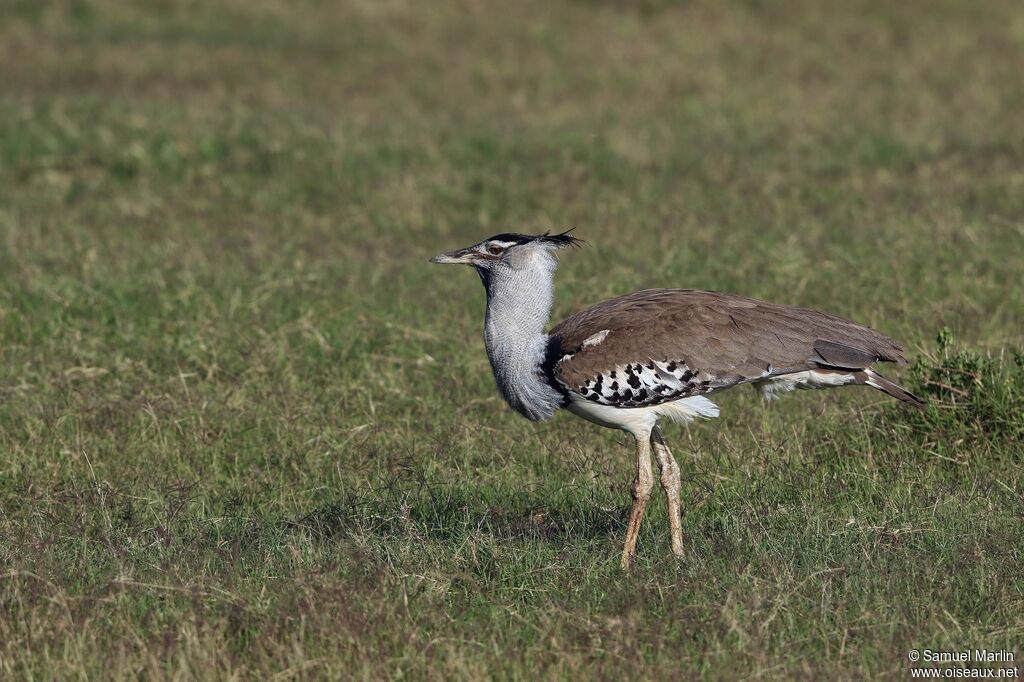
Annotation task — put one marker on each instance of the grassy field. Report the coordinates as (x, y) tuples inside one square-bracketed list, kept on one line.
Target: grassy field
[(246, 431)]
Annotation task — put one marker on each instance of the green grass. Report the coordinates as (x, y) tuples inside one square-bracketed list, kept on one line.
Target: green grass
[(246, 430)]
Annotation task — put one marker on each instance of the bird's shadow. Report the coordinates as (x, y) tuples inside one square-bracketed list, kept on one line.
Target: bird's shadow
[(445, 514)]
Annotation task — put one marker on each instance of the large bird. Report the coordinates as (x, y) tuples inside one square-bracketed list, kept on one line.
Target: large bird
[(629, 361)]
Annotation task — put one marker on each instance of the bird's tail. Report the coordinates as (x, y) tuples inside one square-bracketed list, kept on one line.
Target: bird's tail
[(873, 379)]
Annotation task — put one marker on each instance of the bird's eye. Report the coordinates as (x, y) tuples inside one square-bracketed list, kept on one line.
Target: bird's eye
[(494, 250)]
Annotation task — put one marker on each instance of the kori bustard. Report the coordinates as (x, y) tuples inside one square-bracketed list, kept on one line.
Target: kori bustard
[(631, 360)]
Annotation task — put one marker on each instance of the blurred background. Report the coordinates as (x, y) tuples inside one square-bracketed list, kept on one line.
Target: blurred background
[(241, 413)]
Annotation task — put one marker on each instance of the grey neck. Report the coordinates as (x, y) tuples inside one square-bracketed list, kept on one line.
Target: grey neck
[(518, 307)]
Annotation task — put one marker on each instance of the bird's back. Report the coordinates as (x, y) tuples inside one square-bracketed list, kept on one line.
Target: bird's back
[(720, 339)]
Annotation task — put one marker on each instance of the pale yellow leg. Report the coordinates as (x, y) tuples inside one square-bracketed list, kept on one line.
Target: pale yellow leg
[(642, 486), (671, 482)]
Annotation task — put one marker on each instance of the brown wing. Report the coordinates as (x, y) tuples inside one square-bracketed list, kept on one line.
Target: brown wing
[(664, 344)]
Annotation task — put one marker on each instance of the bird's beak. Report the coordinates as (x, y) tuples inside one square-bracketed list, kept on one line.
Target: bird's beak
[(462, 256)]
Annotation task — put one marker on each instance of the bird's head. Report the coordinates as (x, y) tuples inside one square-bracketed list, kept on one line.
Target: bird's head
[(508, 253)]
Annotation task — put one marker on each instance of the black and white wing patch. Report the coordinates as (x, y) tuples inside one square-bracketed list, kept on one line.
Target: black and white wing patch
[(643, 384), (598, 377)]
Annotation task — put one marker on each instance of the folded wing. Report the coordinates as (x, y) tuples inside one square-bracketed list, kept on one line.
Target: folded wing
[(658, 345)]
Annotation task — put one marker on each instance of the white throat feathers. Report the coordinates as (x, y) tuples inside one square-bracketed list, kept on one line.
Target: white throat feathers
[(519, 298)]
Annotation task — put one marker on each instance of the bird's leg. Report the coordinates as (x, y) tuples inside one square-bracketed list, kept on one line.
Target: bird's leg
[(671, 482), (642, 486)]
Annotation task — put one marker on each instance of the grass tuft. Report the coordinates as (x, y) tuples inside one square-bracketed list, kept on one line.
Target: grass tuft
[(972, 395)]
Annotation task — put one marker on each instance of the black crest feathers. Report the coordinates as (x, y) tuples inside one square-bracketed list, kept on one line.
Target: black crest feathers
[(561, 240)]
